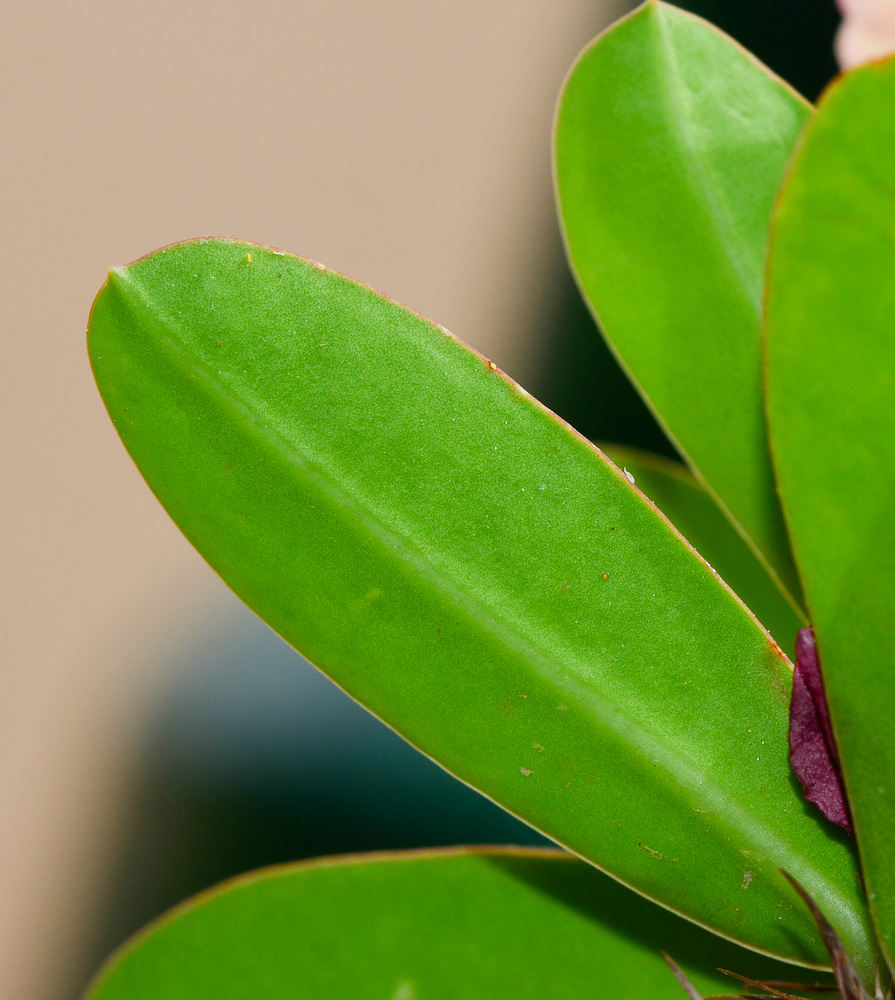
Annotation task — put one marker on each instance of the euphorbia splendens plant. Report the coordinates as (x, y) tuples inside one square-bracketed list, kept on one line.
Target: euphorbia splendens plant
[(601, 651)]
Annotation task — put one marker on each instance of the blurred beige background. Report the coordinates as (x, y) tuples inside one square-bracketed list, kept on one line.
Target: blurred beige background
[(405, 143)]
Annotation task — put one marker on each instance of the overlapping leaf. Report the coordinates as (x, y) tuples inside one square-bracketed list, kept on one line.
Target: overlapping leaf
[(670, 145), (676, 492), (831, 385), (483, 925), (476, 574)]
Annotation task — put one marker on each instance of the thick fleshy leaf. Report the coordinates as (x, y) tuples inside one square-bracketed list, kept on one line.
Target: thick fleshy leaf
[(831, 385), (671, 142), (499, 924), (473, 572), (677, 493)]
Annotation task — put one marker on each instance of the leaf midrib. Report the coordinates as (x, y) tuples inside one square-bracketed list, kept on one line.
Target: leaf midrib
[(514, 638), (718, 214)]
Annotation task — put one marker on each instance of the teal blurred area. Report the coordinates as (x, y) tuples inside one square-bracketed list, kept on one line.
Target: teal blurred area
[(253, 757)]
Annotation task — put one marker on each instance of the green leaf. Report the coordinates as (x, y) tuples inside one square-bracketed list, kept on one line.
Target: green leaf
[(475, 573), (671, 142), (676, 492), (488, 924), (831, 385)]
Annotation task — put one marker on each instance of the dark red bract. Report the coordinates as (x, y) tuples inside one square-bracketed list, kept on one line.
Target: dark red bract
[(812, 747)]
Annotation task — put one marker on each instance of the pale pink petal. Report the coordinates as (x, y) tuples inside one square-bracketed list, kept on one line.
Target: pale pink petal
[(859, 41), (867, 31), (868, 10)]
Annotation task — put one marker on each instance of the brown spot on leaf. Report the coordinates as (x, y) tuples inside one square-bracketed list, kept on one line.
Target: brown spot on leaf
[(652, 853)]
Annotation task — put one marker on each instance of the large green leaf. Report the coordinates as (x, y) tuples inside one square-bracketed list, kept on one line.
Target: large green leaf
[(671, 142), (676, 492), (498, 924), (473, 572), (831, 386)]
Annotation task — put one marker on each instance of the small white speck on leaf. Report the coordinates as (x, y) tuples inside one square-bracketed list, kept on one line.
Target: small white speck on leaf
[(747, 879), (525, 771), (628, 476), (538, 747)]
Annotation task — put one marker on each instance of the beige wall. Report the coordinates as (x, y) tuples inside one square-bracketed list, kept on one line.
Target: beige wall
[(404, 142)]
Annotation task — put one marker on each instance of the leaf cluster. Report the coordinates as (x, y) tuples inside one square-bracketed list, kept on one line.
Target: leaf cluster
[(593, 638)]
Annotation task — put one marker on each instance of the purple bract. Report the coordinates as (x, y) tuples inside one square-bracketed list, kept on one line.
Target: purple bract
[(812, 747)]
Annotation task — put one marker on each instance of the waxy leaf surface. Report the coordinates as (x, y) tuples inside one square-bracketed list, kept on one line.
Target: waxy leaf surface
[(478, 925), (680, 497), (671, 142), (475, 573), (831, 385)]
